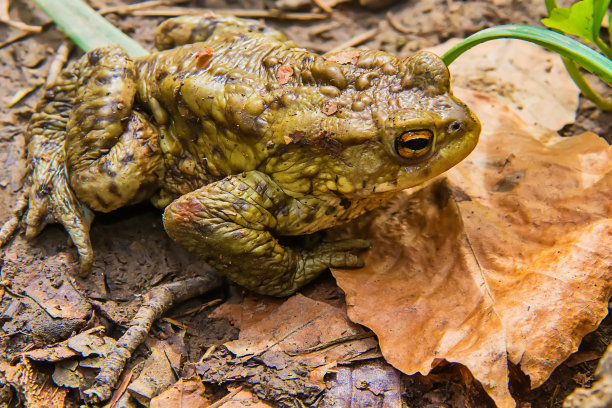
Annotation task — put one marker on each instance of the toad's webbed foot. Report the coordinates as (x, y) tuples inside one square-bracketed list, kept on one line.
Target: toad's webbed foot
[(47, 196), (88, 149), (232, 224)]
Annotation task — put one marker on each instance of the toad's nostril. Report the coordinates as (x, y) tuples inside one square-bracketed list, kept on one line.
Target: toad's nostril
[(455, 126)]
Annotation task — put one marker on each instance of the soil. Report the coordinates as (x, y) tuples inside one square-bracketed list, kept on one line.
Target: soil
[(132, 251)]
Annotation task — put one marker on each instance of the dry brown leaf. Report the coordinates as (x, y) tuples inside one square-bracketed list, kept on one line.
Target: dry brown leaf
[(159, 370), (345, 57), (276, 353), (186, 392), (330, 107), (87, 343), (283, 74), (508, 259), (36, 388), (371, 383), (291, 326)]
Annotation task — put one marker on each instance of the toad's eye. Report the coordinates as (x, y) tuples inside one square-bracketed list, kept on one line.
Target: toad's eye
[(414, 144)]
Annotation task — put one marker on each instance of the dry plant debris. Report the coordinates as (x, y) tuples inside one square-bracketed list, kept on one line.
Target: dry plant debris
[(272, 354), (507, 258)]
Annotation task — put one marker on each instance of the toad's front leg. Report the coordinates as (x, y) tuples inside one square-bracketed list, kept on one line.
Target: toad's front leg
[(232, 225)]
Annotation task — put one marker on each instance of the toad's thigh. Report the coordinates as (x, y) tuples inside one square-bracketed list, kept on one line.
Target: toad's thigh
[(112, 152)]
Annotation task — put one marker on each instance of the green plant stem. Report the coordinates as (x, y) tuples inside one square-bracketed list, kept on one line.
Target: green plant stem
[(561, 44), (574, 71), (550, 5), (603, 46), (87, 28)]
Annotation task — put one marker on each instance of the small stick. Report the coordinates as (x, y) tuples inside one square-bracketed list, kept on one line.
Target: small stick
[(126, 9), (181, 11), (9, 227), (358, 39), (323, 6), (6, 18), (323, 28), (23, 35), (159, 300), (226, 398), (22, 93), (61, 56), (335, 342), (397, 26)]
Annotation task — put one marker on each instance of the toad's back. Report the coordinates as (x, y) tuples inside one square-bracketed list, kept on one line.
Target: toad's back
[(214, 103)]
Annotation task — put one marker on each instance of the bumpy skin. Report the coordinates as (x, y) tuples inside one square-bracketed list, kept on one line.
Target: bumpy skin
[(243, 138)]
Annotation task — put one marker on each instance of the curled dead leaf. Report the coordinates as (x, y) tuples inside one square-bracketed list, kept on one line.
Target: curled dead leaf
[(508, 259)]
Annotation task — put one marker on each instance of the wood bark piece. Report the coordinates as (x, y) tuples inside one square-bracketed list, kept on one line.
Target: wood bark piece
[(160, 299)]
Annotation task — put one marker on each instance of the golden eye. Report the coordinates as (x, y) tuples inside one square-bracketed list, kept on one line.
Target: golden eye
[(414, 144)]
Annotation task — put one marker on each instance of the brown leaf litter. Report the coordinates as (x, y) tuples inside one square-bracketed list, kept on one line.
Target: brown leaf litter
[(507, 258)]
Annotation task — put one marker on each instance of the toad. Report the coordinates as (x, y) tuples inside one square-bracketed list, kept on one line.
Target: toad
[(242, 138)]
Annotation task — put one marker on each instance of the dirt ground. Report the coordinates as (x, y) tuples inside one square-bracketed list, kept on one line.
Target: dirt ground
[(132, 251)]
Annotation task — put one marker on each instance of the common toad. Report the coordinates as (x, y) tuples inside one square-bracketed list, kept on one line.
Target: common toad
[(242, 137)]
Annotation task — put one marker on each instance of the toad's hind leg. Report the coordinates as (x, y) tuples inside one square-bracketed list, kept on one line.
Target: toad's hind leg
[(191, 29), (49, 196), (112, 152), (87, 149)]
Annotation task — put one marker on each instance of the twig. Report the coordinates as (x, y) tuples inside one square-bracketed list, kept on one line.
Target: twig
[(6, 18), (121, 389), (358, 39), (397, 25), (9, 227), (23, 35), (127, 9), (61, 56), (337, 341), (226, 398), (323, 28), (160, 299), (323, 6), (22, 93), (200, 308), (181, 11)]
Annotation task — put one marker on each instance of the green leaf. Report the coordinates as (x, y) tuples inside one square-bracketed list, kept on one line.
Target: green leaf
[(599, 12), (582, 19), (566, 46), (87, 28)]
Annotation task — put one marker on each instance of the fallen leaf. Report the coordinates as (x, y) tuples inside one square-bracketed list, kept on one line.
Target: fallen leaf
[(276, 353), (158, 372), (330, 107), (509, 259), (283, 74), (57, 296), (90, 342), (371, 383), (344, 57), (186, 392), (33, 386), (243, 399)]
